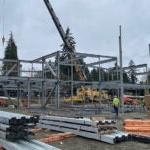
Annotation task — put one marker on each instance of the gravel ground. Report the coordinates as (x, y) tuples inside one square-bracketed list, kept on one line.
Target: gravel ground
[(78, 143)]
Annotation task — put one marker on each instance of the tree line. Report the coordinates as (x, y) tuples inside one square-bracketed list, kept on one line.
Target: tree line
[(65, 71)]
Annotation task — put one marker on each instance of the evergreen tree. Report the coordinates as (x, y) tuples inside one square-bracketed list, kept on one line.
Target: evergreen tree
[(126, 78), (132, 72), (148, 78), (95, 74), (10, 53), (69, 54)]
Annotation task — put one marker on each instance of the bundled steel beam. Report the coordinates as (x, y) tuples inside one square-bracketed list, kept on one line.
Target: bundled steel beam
[(25, 145), (99, 130), (140, 138), (15, 126), (81, 121)]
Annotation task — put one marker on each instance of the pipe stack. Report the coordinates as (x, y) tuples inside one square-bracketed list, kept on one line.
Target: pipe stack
[(15, 126)]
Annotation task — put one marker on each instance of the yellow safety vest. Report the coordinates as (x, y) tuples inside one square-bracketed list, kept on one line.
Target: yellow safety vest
[(116, 101)]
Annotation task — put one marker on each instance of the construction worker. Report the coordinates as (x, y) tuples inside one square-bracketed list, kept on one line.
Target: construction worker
[(116, 103), (143, 104)]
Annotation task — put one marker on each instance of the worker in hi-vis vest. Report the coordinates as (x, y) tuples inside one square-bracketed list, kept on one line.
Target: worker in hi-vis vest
[(116, 103)]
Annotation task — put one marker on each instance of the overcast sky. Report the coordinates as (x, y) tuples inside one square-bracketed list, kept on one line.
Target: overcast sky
[(94, 24)]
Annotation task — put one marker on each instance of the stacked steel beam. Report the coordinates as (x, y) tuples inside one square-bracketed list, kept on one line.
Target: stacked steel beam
[(99, 130), (15, 126), (25, 145)]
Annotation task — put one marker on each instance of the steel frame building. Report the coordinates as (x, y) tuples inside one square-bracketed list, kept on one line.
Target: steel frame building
[(33, 71), (27, 76)]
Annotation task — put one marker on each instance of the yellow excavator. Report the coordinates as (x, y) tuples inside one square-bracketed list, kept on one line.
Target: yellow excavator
[(86, 94)]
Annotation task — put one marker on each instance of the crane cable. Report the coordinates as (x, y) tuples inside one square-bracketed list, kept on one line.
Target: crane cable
[(3, 21)]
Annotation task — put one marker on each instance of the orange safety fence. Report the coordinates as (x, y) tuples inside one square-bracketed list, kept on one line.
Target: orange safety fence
[(57, 137)]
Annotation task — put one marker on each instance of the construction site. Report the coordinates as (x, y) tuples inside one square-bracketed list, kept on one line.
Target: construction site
[(66, 98)]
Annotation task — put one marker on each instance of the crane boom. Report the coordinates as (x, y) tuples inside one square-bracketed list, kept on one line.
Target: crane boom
[(62, 33), (57, 23)]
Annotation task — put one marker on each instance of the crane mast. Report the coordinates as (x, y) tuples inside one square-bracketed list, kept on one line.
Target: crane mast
[(62, 33)]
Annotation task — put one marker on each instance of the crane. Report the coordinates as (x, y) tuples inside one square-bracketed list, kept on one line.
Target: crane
[(70, 48)]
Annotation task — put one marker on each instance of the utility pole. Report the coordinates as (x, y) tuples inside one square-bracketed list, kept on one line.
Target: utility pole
[(147, 70), (149, 49), (121, 65)]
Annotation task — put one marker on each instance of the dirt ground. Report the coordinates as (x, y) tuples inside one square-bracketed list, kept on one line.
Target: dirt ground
[(78, 143)]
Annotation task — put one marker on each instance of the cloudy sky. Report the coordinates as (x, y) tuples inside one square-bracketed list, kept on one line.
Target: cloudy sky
[(94, 23)]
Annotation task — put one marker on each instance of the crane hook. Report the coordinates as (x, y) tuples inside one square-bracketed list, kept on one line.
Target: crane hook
[(3, 40)]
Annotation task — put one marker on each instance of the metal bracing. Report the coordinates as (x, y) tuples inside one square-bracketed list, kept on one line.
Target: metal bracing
[(74, 59), (34, 79), (117, 85), (102, 62), (38, 60), (16, 61), (143, 73), (140, 66), (54, 83), (11, 69), (93, 55), (51, 69), (135, 66)]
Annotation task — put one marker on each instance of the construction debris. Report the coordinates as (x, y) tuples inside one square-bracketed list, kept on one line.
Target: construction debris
[(99, 130), (16, 126), (57, 137), (35, 130), (135, 125), (139, 129), (147, 103)]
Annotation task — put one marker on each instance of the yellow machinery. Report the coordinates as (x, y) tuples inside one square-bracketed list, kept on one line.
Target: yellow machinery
[(85, 94)]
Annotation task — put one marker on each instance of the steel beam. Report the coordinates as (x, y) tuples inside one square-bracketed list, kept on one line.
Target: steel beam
[(143, 73), (6, 78), (51, 69), (93, 55), (108, 138), (44, 57), (15, 61), (102, 62), (11, 69), (74, 59), (135, 66), (26, 145)]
